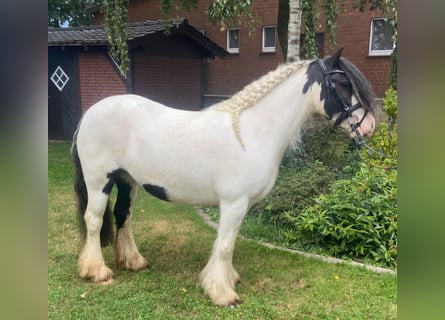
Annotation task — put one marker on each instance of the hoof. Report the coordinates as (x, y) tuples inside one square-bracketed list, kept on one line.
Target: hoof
[(137, 263), (107, 282), (96, 272), (220, 293), (231, 300)]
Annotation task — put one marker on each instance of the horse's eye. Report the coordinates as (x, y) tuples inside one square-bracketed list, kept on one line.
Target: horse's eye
[(341, 80)]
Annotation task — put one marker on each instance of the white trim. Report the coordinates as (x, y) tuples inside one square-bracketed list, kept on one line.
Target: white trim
[(233, 49), (59, 78), (372, 52), (269, 49)]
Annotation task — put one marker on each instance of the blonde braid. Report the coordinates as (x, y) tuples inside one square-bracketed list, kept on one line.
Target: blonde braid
[(254, 91)]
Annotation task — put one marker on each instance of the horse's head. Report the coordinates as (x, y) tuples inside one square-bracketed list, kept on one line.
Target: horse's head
[(346, 96)]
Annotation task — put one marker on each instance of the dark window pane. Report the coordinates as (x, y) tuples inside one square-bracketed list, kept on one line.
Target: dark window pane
[(382, 33), (234, 38), (269, 37)]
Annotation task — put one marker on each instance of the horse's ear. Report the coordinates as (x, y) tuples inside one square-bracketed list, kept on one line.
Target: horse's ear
[(333, 60)]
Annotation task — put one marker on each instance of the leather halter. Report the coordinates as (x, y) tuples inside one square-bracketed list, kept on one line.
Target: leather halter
[(347, 110), (332, 91)]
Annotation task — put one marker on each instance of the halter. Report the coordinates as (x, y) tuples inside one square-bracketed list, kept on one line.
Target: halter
[(347, 110), (332, 91)]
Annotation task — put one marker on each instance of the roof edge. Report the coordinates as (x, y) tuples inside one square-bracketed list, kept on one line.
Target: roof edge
[(96, 36)]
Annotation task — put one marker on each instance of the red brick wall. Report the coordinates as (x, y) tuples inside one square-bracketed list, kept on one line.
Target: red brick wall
[(98, 79), (353, 32), (229, 75), (226, 76), (174, 82)]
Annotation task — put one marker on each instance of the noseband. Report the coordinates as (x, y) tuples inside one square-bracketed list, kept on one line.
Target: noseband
[(332, 91)]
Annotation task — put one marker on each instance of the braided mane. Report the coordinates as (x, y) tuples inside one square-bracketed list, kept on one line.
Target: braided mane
[(254, 91)]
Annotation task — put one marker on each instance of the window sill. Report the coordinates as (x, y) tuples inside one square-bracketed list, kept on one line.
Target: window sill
[(380, 54), (267, 53)]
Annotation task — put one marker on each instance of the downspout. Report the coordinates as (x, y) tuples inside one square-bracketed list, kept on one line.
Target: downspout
[(203, 81), (131, 76)]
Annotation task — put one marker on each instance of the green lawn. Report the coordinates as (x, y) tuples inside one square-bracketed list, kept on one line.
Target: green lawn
[(177, 243)]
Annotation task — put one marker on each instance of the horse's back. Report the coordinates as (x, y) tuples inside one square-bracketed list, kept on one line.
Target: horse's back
[(121, 107), (155, 144), (107, 128), (116, 117)]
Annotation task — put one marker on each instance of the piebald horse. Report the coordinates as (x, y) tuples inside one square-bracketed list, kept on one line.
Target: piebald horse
[(228, 154)]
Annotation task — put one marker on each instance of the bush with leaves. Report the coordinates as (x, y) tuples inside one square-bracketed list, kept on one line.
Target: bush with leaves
[(294, 190), (384, 139), (358, 217), (390, 104), (323, 143)]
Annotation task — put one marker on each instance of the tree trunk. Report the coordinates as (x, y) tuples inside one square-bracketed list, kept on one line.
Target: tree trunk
[(293, 33)]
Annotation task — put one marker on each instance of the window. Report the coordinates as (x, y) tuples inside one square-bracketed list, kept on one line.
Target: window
[(233, 40), (60, 78), (380, 40), (269, 38)]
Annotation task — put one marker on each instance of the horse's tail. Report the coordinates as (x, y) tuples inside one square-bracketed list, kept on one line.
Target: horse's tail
[(80, 190)]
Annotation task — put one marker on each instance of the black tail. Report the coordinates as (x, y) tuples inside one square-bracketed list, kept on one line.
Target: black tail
[(106, 232)]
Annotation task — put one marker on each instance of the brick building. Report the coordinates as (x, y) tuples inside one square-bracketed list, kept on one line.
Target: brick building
[(166, 68), (356, 31)]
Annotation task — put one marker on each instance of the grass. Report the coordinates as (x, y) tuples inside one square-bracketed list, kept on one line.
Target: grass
[(177, 243)]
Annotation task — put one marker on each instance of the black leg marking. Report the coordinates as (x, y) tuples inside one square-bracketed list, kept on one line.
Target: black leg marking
[(109, 186), (123, 201), (112, 176), (157, 191)]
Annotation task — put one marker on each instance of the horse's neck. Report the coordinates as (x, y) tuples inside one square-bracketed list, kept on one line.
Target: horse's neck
[(279, 115)]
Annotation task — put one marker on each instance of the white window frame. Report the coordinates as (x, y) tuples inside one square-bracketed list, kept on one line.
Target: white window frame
[(233, 49), (373, 52), (263, 46), (59, 78)]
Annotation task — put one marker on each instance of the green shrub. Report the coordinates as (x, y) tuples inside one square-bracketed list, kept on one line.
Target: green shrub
[(357, 219), (390, 104), (294, 190), (323, 143), (384, 141)]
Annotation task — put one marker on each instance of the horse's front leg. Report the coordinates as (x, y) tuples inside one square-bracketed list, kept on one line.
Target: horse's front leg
[(219, 277)]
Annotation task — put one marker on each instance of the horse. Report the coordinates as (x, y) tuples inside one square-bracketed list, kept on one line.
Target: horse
[(227, 154)]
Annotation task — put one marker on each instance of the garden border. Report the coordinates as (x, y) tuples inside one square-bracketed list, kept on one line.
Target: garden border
[(327, 259)]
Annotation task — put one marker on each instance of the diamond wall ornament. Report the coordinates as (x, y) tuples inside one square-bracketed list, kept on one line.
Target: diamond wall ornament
[(60, 78)]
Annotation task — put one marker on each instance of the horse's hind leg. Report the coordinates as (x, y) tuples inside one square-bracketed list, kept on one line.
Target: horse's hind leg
[(126, 252), (91, 263), (219, 277)]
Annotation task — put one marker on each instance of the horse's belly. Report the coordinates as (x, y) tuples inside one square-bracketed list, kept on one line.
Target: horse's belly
[(183, 194), (178, 184)]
